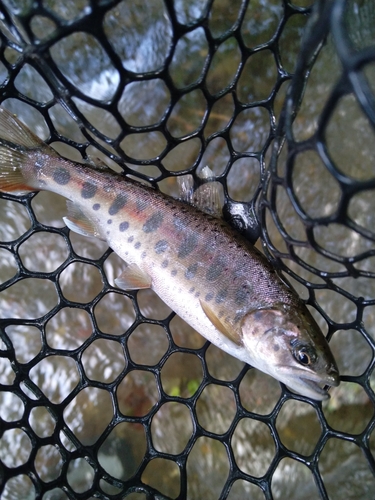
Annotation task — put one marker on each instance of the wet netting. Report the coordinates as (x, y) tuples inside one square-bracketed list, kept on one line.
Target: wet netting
[(108, 394)]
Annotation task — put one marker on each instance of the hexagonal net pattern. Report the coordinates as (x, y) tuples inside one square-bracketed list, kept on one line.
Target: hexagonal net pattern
[(108, 394)]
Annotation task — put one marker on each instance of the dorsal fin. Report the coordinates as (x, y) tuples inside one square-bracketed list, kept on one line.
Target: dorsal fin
[(206, 197)]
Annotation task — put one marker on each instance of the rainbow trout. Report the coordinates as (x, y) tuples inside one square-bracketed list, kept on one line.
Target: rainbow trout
[(201, 268)]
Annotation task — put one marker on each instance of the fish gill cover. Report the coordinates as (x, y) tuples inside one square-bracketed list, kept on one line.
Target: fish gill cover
[(108, 394)]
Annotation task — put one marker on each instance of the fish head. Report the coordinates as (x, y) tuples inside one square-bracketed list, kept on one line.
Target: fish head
[(286, 342)]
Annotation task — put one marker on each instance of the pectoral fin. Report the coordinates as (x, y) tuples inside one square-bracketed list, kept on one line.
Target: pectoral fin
[(225, 328), (78, 222), (133, 278)]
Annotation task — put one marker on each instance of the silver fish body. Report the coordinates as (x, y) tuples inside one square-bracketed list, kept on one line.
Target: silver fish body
[(206, 272)]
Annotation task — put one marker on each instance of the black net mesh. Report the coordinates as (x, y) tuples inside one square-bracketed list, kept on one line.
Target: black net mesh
[(107, 394)]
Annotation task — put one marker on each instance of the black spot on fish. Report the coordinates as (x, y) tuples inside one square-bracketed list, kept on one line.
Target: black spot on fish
[(174, 272), (123, 226), (209, 297), (164, 264), (191, 290), (143, 255), (161, 246), (61, 176), (179, 224), (141, 205), (109, 221), (118, 203), (130, 239), (96, 206), (215, 270), (153, 223), (191, 271), (88, 190), (221, 296), (241, 295), (197, 294), (188, 245), (137, 245), (276, 348)]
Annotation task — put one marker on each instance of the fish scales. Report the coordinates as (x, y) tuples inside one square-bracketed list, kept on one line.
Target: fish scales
[(205, 271), (169, 240)]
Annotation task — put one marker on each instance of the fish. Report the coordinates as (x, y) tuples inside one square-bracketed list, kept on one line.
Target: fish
[(204, 270)]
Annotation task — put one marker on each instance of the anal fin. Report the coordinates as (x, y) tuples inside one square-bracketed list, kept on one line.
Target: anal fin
[(225, 329), (133, 278), (78, 221)]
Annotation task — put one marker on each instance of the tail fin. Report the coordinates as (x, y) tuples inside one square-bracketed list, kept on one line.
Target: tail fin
[(14, 131), (15, 141)]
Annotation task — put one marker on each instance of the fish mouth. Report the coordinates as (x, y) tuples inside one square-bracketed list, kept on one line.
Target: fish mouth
[(311, 389), (309, 384)]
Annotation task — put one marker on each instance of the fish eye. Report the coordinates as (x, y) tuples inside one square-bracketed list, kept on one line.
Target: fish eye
[(304, 356)]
